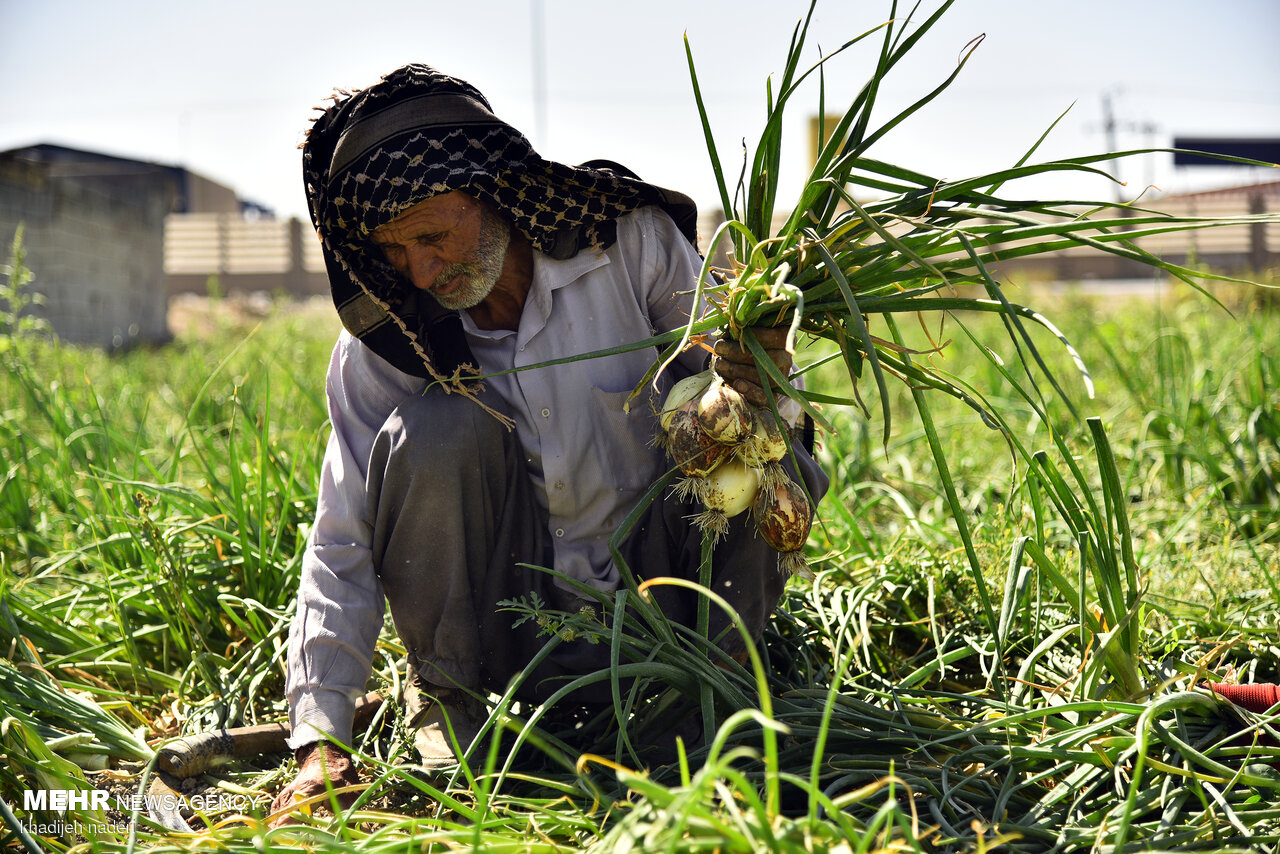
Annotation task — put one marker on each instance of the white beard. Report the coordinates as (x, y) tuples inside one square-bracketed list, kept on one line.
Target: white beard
[(477, 276)]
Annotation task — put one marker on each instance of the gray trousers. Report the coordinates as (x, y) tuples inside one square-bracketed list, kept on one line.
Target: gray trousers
[(456, 519)]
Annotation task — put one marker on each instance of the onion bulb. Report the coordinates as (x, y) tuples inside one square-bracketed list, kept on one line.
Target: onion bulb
[(783, 517), (766, 443), (694, 452), (731, 488), (725, 492), (686, 390), (731, 455), (723, 414)]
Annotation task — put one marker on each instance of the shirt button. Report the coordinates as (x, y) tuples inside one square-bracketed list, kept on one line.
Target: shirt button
[(546, 413), (559, 532), (559, 484)]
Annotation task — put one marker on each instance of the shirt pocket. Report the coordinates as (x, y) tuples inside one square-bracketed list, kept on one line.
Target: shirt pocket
[(623, 442)]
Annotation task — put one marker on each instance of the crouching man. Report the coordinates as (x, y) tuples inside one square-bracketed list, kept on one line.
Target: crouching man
[(453, 249)]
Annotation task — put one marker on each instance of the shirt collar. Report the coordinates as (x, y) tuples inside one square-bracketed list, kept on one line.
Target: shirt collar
[(548, 275)]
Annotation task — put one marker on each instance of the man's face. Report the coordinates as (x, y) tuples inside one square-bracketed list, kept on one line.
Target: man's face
[(451, 246)]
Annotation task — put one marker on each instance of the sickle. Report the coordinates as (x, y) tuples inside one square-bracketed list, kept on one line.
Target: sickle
[(191, 755)]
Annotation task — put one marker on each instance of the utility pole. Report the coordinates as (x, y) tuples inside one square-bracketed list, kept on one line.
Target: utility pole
[(1110, 127), (538, 34)]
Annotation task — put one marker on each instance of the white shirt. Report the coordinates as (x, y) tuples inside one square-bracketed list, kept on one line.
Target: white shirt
[(589, 460)]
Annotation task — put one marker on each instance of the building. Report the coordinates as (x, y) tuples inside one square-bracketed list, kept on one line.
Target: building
[(93, 229)]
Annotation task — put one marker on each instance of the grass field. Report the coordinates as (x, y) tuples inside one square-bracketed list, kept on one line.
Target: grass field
[(1036, 690), (1038, 548)]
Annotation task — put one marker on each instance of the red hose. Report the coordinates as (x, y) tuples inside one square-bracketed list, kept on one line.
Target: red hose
[(1256, 697)]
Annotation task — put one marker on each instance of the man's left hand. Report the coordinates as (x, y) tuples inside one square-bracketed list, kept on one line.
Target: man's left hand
[(737, 367)]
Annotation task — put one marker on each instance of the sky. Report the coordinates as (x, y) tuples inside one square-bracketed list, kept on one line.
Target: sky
[(227, 89)]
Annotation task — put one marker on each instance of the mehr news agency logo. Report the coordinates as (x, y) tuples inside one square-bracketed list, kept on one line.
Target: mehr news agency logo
[(46, 801)]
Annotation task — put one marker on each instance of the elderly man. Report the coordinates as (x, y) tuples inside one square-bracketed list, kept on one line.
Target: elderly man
[(453, 248)]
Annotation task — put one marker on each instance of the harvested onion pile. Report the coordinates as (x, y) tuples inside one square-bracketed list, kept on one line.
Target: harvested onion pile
[(731, 455)]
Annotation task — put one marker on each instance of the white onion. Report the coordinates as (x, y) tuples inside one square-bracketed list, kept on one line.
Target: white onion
[(731, 488), (686, 390), (767, 443), (723, 414), (725, 493)]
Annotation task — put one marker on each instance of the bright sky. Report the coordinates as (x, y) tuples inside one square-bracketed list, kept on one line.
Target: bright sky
[(226, 88)]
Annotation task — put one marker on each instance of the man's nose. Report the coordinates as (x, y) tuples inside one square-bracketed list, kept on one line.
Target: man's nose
[(422, 265)]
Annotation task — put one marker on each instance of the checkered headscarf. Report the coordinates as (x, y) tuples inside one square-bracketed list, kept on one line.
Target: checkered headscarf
[(417, 133)]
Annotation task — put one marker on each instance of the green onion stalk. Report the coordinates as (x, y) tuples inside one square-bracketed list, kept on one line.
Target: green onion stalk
[(840, 259), (866, 241)]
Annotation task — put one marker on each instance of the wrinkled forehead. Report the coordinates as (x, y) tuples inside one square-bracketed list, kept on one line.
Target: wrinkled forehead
[(441, 212)]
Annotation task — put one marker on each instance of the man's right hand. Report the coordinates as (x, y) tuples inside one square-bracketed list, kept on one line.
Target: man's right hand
[(316, 764)]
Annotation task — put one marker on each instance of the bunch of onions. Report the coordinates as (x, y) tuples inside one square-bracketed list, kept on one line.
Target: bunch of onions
[(731, 455)]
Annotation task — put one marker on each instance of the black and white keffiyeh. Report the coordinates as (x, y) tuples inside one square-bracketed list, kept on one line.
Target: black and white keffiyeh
[(418, 133)]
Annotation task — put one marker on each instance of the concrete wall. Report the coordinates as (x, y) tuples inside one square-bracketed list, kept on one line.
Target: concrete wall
[(201, 194), (97, 255), (243, 256)]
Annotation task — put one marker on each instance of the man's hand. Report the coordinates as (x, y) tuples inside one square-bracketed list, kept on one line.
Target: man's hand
[(736, 366), (316, 763)]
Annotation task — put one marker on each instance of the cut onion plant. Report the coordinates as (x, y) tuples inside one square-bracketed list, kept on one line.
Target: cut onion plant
[(731, 455), (767, 443), (866, 241)]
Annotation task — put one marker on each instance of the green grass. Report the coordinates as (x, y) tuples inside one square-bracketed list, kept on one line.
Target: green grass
[(1031, 558), (155, 505)]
